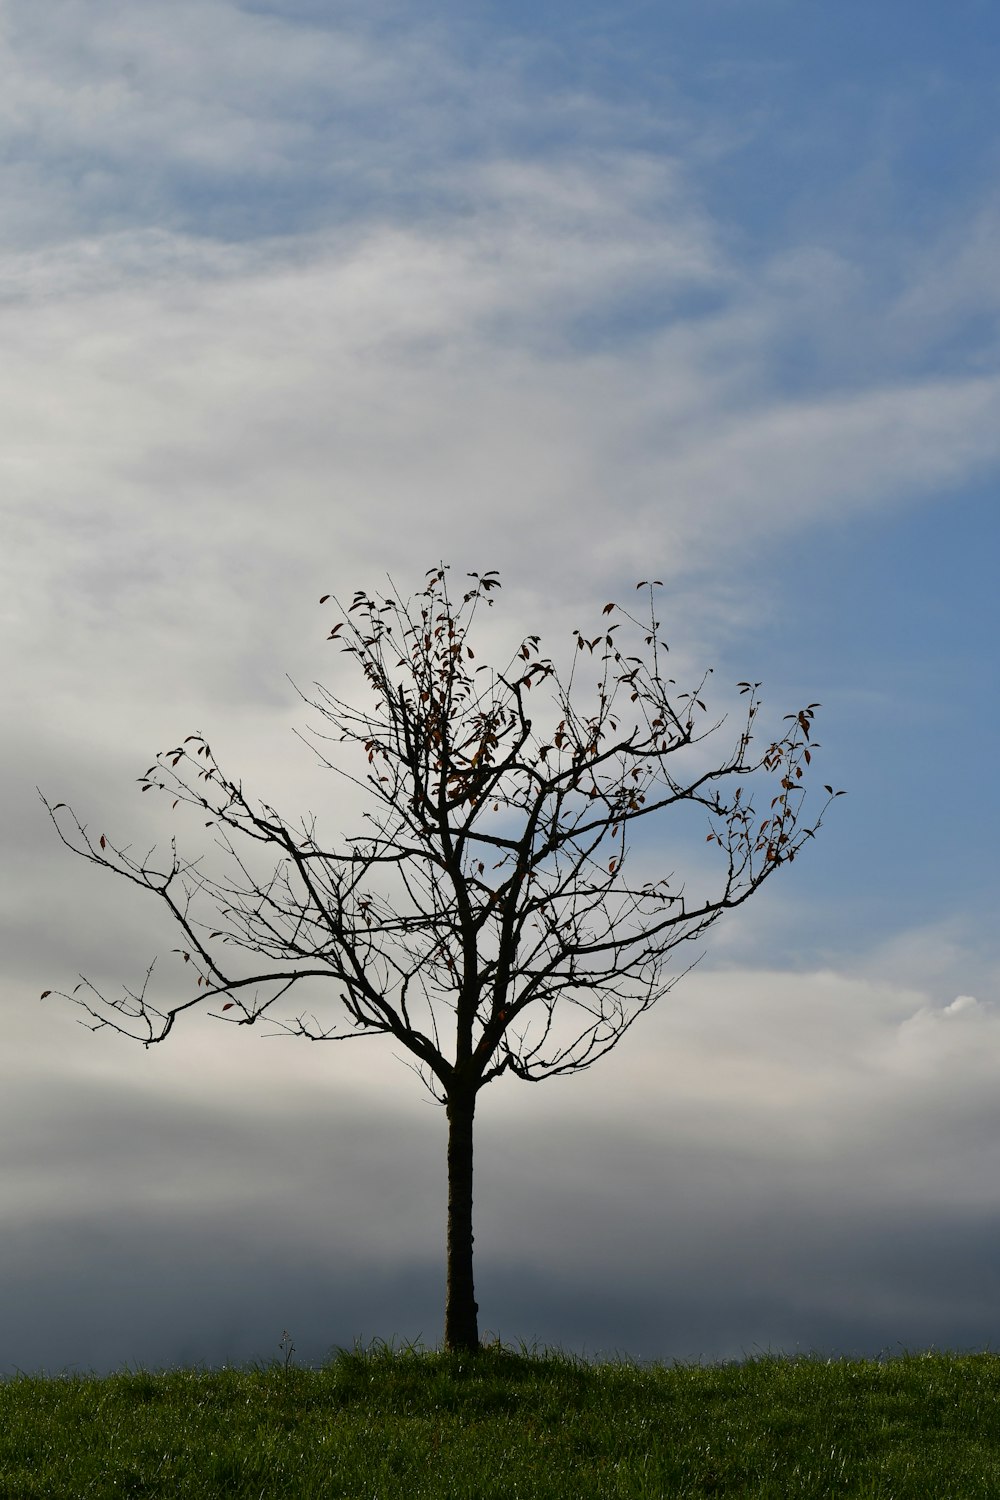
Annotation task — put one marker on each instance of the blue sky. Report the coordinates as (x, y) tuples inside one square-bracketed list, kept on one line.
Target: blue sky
[(294, 295)]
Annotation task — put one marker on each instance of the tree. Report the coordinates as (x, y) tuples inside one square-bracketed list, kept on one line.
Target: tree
[(483, 918)]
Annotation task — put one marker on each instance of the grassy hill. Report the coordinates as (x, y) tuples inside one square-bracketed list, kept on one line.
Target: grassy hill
[(499, 1425)]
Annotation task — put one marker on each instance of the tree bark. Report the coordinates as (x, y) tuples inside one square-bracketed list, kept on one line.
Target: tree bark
[(461, 1316)]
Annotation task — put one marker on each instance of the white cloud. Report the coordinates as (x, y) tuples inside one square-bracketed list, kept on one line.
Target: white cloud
[(196, 442), (207, 86)]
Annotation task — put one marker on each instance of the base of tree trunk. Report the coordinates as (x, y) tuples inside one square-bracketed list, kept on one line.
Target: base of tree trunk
[(461, 1318)]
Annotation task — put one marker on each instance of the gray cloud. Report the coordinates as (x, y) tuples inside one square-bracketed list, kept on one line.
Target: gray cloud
[(771, 1161), (181, 1289)]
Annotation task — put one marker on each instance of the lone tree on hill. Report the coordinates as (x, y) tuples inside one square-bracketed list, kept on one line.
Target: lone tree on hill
[(483, 918)]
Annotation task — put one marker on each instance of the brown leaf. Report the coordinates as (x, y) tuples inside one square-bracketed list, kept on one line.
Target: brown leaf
[(44, 993), (103, 841), (324, 598)]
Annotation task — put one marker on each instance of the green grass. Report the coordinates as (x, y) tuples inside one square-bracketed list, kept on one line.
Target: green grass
[(380, 1424)]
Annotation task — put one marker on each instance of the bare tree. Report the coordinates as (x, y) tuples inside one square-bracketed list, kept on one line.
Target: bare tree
[(483, 918)]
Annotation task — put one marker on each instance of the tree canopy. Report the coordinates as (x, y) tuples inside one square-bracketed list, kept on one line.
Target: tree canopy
[(483, 915)]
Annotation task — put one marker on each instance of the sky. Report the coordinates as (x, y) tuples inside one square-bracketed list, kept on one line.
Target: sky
[(294, 296)]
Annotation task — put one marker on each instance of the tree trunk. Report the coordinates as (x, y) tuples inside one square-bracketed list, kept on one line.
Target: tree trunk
[(461, 1321)]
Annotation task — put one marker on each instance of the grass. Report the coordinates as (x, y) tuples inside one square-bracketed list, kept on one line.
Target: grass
[(381, 1424)]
